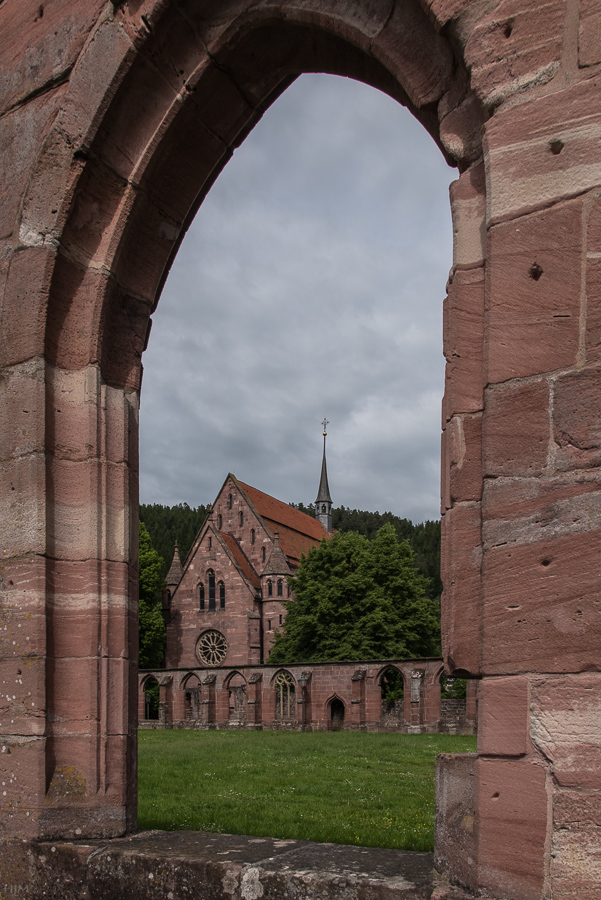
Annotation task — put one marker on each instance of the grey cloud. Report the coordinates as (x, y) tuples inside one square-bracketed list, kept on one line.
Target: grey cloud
[(310, 283)]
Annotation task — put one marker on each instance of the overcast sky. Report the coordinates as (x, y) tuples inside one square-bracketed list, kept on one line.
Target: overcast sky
[(310, 284)]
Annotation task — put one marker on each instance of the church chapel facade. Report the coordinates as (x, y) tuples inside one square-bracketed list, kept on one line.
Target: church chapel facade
[(222, 608)]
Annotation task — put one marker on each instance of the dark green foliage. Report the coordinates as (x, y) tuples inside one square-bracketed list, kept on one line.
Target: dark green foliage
[(424, 538), (392, 686), (453, 688), (151, 699), (151, 624), (358, 599), (168, 524)]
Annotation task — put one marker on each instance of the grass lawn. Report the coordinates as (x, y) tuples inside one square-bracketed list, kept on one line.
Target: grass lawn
[(345, 787)]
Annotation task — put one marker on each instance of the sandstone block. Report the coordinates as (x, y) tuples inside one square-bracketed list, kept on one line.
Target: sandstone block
[(455, 851), (516, 44), (23, 771), (24, 305), (465, 457), (534, 293), (38, 49), (359, 23), (515, 429), (565, 725), (542, 606), (22, 692), (23, 506), (176, 180), (22, 409), (577, 419), (527, 510), (442, 11), (589, 34), (503, 717), (543, 150), (100, 203), (511, 800), (21, 133), (134, 118), (72, 340), (576, 855), (88, 511), (424, 76), (468, 207), (593, 310), (83, 597), (464, 342), (93, 82), (461, 601), (88, 417)]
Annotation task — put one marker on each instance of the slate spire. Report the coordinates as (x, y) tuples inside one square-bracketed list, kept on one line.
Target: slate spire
[(323, 503), (174, 575)]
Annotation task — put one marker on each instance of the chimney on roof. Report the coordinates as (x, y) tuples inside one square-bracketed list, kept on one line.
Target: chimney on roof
[(323, 504)]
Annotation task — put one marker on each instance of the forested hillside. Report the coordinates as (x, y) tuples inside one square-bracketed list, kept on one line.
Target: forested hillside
[(166, 524)]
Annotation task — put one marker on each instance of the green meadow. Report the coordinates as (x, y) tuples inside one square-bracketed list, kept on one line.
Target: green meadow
[(344, 787)]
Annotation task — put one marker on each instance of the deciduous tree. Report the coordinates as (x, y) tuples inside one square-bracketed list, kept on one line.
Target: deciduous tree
[(151, 624), (358, 599)]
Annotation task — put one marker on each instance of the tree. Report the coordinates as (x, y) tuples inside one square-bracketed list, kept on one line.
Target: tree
[(358, 599), (424, 538), (151, 624)]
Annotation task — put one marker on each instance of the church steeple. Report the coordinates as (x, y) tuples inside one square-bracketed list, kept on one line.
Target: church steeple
[(323, 504)]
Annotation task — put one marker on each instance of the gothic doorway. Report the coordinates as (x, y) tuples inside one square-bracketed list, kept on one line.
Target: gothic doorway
[(336, 714)]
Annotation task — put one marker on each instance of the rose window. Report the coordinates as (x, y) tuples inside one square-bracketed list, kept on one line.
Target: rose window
[(212, 648)]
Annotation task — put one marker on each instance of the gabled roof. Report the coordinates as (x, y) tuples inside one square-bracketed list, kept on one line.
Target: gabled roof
[(298, 532), (240, 559)]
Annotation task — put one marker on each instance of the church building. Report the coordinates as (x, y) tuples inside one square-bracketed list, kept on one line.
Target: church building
[(222, 608), (224, 605)]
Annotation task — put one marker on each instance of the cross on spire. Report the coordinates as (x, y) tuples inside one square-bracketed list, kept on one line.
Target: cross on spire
[(325, 424)]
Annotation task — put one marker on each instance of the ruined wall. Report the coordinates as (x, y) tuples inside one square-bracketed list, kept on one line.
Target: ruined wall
[(115, 118), (245, 697)]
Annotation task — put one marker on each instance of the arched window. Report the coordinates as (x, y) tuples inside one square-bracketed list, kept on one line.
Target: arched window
[(262, 554), (323, 507), (219, 521), (211, 575), (280, 588), (210, 542), (221, 595), (201, 597), (284, 696), (252, 535), (230, 501), (241, 518), (270, 589), (392, 689)]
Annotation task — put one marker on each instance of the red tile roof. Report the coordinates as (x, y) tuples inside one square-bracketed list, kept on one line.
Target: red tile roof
[(298, 531), (241, 560)]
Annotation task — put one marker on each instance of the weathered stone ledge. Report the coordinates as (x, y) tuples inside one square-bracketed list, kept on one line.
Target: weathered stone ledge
[(188, 864)]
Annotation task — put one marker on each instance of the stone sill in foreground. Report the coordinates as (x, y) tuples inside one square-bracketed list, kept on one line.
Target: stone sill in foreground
[(160, 865)]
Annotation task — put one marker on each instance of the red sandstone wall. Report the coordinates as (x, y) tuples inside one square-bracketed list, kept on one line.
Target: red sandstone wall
[(114, 121)]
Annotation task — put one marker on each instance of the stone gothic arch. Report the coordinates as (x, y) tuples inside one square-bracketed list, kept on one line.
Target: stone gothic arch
[(109, 143)]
